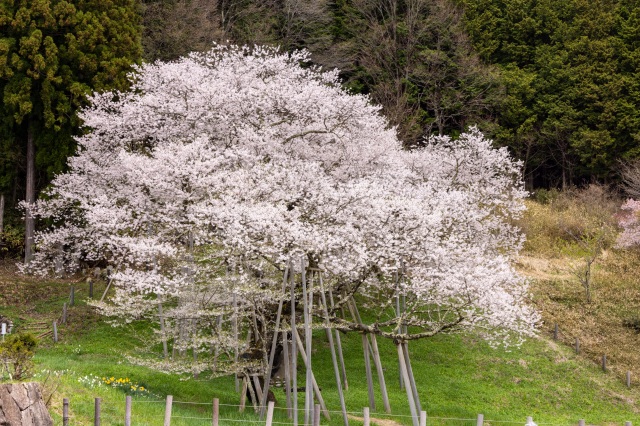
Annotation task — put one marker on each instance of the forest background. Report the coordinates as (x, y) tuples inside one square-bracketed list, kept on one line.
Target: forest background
[(556, 82)]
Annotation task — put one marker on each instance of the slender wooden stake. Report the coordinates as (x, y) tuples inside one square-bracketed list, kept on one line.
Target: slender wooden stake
[(378, 363), (215, 418), (270, 413), (274, 342), (96, 412), (604, 363), (627, 423), (555, 331), (64, 313), (308, 393), (65, 412), (480, 420), (287, 371), (72, 296), (90, 288), (167, 410), (365, 414), (127, 411), (1, 214), (316, 415), (412, 380), (405, 375), (252, 394), (234, 322), (577, 345), (581, 422), (367, 367), (423, 418), (294, 349), (106, 290), (258, 388), (334, 360), (339, 346), (628, 379), (55, 331), (243, 394), (316, 389), (165, 348)]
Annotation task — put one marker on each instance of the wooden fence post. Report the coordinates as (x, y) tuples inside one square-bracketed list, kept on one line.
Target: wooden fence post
[(65, 412), (627, 423), (55, 331), (365, 411), (216, 412), (127, 411), (577, 345), (64, 313), (96, 413), (167, 411), (581, 422), (423, 418), (604, 363), (628, 379), (90, 288), (72, 296), (270, 413), (480, 420), (555, 331)]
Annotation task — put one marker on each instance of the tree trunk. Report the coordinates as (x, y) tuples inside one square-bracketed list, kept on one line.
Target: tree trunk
[(30, 197), (1, 215)]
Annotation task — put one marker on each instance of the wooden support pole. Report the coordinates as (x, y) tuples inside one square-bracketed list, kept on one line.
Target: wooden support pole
[(378, 363), (316, 415), (334, 360), (65, 412), (96, 412), (423, 418), (555, 331), (366, 416), (577, 345), (215, 417), (234, 324), (167, 410), (55, 331), (627, 423), (343, 369), (165, 348), (581, 422), (316, 389), (64, 313), (480, 420), (274, 342), (367, 367), (270, 414), (287, 371), (628, 379), (127, 411), (294, 349), (90, 288), (412, 380), (243, 394), (308, 392), (72, 296), (604, 363), (258, 389), (405, 376)]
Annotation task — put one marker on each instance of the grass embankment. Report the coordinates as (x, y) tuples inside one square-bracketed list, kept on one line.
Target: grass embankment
[(457, 376)]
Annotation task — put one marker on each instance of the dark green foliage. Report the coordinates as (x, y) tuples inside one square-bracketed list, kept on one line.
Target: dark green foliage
[(53, 53), (16, 353), (571, 73)]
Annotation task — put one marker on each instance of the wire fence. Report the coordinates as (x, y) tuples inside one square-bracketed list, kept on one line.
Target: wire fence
[(186, 413)]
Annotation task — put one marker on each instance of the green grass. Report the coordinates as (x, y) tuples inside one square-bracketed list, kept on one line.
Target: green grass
[(458, 376)]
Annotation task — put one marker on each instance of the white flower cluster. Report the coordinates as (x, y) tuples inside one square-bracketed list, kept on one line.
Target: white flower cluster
[(204, 180)]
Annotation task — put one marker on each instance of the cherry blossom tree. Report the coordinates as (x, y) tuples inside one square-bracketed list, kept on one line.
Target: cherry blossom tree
[(220, 172)]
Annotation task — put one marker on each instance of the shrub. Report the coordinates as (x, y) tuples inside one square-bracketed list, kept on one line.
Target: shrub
[(16, 354)]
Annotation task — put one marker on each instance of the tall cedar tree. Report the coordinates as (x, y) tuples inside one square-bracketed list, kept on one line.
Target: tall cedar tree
[(53, 53)]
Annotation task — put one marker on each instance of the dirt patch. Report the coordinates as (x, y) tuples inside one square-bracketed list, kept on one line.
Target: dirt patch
[(376, 421)]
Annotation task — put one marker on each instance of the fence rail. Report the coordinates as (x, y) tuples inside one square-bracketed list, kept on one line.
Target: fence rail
[(108, 416)]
